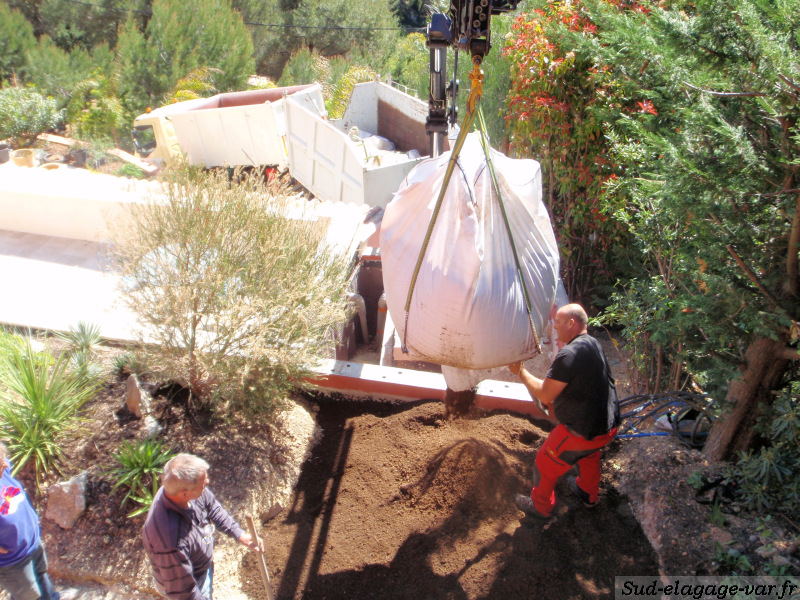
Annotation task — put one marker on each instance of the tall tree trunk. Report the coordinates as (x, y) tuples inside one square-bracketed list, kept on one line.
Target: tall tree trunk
[(734, 430)]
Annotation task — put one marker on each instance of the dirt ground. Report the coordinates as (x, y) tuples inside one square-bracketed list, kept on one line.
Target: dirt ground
[(398, 502), (395, 501)]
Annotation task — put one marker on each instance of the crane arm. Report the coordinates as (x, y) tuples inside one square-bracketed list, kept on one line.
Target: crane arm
[(465, 27)]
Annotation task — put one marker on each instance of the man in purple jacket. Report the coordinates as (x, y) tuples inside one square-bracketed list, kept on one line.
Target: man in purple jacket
[(23, 562), (178, 534)]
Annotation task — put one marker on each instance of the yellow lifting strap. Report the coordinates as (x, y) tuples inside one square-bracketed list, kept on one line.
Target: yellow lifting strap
[(476, 90), (476, 77), (496, 185)]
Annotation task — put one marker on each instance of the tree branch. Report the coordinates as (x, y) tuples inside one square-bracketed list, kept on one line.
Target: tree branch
[(792, 523), (770, 194), (789, 353), (789, 82), (724, 94), (752, 276)]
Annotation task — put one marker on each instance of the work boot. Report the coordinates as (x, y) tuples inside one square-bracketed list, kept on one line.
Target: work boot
[(583, 496), (525, 504)]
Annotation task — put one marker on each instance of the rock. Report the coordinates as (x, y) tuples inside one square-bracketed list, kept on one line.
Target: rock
[(151, 427), (136, 399), (766, 551), (651, 519), (787, 546), (721, 536), (66, 501)]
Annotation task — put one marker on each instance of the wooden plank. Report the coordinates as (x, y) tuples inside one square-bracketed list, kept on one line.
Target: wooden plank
[(130, 158), (57, 139), (262, 563)]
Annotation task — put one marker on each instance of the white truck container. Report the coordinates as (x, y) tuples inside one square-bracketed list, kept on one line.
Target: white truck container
[(236, 128), (327, 158)]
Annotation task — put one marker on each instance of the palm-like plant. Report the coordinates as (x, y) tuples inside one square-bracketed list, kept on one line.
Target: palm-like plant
[(139, 467), (341, 90), (82, 338), (40, 401)]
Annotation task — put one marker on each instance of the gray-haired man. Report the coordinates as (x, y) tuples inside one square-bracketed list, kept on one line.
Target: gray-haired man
[(178, 534)]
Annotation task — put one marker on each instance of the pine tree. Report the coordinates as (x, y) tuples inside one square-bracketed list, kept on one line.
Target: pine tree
[(713, 180), (181, 37), (264, 19), (16, 38), (364, 32), (55, 72), (411, 13), (85, 25)]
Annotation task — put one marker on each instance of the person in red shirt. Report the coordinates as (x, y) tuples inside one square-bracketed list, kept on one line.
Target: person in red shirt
[(578, 394)]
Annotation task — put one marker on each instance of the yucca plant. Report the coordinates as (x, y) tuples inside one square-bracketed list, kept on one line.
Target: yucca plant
[(133, 361), (40, 401), (122, 364), (83, 338), (140, 464), (81, 363)]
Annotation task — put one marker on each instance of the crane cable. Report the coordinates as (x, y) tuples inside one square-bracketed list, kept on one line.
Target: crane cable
[(476, 90)]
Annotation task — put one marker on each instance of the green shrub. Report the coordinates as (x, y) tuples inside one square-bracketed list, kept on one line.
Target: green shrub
[(235, 298), (83, 337), (768, 476), (24, 114), (341, 90), (730, 561), (95, 112), (40, 402), (129, 170), (140, 464)]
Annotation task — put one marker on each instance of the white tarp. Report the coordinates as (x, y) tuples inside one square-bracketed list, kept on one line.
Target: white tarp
[(468, 309)]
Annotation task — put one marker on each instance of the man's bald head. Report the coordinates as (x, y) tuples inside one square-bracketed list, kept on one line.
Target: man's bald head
[(571, 321)]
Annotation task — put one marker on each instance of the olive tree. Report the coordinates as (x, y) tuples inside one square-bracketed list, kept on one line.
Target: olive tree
[(234, 299)]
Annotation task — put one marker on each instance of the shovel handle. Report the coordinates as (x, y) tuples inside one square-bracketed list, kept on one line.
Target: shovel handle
[(262, 563)]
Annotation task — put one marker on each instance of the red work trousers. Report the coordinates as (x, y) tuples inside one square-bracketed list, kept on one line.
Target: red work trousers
[(559, 453)]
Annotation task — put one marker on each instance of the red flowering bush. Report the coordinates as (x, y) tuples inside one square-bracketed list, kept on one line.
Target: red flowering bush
[(560, 98)]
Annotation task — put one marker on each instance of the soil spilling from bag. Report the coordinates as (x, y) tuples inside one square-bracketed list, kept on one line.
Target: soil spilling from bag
[(399, 502)]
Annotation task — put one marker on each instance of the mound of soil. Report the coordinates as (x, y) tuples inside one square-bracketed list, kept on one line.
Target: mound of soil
[(399, 502)]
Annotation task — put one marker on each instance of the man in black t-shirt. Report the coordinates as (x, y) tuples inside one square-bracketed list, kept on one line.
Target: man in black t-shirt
[(579, 395)]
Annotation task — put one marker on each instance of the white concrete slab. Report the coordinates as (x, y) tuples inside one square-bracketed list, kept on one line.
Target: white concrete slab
[(66, 202), (53, 283)]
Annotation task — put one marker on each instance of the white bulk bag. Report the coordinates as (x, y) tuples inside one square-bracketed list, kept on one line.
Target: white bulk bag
[(468, 309)]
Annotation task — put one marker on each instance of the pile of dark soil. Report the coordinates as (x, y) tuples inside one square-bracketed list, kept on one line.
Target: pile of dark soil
[(398, 502)]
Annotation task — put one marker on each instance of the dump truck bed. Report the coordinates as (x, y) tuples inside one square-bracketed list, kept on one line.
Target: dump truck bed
[(325, 159)]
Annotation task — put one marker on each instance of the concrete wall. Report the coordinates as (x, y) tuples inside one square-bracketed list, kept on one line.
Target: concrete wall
[(65, 201)]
